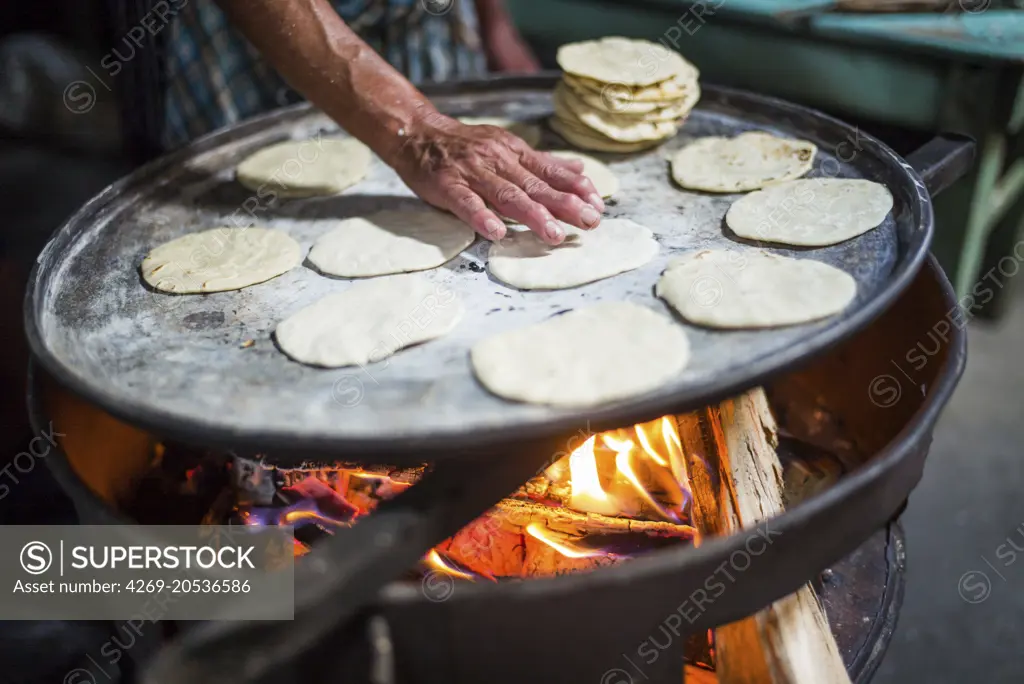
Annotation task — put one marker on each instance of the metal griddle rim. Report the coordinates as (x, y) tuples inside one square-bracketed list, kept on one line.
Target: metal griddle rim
[(292, 445)]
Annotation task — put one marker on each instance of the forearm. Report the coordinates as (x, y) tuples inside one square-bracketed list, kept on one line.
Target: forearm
[(468, 170), (320, 57), (506, 50), (491, 12)]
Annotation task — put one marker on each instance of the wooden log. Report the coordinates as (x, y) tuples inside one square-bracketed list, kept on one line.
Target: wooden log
[(808, 472), (500, 543), (364, 487), (737, 482), (698, 675), (344, 473)]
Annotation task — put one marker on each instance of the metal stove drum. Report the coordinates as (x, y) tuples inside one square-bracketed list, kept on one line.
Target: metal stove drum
[(127, 374)]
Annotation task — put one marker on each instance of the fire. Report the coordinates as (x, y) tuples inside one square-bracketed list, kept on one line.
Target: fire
[(434, 560), (303, 511), (587, 494), (294, 517), (645, 442), (622, 453), (657, 462), (618, 493), (537, 532), (670, 433), (637, 473)]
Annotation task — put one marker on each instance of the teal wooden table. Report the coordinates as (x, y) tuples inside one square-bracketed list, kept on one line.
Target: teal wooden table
[(961, 71)]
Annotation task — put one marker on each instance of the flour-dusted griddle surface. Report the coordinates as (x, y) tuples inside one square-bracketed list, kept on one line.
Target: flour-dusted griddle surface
[(182, 363)]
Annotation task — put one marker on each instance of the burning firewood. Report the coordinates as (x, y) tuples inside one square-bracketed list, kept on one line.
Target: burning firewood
[(327, 500), (626, 472), (528, 539), (736, 482)]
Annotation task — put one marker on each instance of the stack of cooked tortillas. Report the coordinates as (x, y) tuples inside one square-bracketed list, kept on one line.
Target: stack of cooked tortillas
[(622, 95)]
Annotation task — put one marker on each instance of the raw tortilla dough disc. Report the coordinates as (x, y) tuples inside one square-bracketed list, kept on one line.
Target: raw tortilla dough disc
[(390, 241), (306, 168), (812, 212), (625, 129), (220, 259), (747, 162), (524, 261), (587, 357), (530, 133), (580, 136), (753, 289), (370, 321), (624, 60), (603, 178)]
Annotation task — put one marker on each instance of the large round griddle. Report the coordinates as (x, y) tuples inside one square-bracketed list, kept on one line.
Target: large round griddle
[(182, 365)]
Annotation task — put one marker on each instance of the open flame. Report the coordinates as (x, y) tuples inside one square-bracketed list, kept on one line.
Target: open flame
[(647, 456), (434, 560), (615, 494), (538, 532), (297, 514), (645, 442), (622, 456), (588, 495)]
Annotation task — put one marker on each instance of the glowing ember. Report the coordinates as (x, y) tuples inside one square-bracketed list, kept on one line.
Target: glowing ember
[(299, 513), (537, 532), (295, 517)]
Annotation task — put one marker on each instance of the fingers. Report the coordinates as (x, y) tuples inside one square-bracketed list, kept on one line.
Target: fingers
[(565, 175), (480, 173), (468, 206), (514, 202), (574, 165), (564, 206), (560, 175)]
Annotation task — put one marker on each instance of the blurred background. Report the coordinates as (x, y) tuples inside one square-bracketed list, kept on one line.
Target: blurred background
[(900, 70)]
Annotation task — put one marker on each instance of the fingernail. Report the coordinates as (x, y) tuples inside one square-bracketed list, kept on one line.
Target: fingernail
[(596, 201), (554, 231), (495, 229), (591, 216)]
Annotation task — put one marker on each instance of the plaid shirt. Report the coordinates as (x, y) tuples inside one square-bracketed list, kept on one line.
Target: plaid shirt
[(199, 74)]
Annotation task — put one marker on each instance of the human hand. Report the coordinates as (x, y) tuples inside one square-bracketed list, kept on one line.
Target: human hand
[(475, 171)]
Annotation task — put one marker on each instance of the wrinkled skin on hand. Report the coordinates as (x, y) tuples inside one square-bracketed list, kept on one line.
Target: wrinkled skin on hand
[(475, 171)]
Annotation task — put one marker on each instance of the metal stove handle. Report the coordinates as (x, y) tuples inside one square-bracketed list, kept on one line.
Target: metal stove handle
[(943, 160)]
